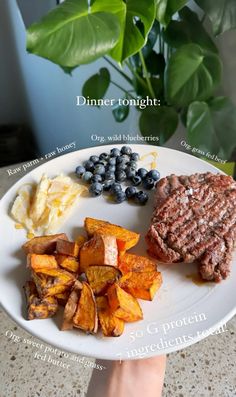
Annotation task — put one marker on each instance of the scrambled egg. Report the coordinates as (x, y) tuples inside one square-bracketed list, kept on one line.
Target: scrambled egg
[(41, 208)]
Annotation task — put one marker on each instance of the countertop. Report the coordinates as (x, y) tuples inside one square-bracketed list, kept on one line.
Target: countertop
[(203, 370)]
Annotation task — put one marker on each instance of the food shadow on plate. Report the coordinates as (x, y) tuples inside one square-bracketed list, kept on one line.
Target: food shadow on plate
[(19, 275), (76, 232)]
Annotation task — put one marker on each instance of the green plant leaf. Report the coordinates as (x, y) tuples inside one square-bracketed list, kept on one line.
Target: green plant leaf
[(74, 33), (167, 8), (120, 111), (152, 38), (191, 74), (160, 121), (188, 30), (97, 85), (131, 38), (222, 14), (211, 126)]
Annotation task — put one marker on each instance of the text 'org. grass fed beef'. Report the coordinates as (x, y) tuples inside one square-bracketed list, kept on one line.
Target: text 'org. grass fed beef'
[(194, 220)]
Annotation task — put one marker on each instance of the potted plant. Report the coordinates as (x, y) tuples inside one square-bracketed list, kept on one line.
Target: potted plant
[(163, 52)]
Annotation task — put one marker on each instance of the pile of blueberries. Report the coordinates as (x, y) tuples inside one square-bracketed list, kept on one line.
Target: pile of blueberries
[(107, 171)]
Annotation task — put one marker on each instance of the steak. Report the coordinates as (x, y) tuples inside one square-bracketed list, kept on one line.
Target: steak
[(194, 220)]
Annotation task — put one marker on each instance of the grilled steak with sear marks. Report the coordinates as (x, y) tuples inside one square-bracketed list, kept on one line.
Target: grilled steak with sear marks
[(194, 220)]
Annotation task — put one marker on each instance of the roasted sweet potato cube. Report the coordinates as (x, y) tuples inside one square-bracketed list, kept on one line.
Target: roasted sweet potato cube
[(135, 263), (67, 248), (38, 261), (99, 250), (142, 285), (62, 298), (51, 282), (111, 325), (80, 240), (44, 244), (68, 262), (126, 239), (39, 308), (101, 277), (85, 316), (71, 306), (123, 305), (40, 281)]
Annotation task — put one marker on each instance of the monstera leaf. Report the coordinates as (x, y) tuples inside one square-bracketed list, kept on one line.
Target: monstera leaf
[(160, 121), (222, 14), (212, 126), (167, 8), (191, 74), (132, 38), (74, 33)]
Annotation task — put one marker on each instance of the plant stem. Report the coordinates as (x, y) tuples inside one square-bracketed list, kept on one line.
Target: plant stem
[(146, 76), (139, 78), (122, 89), (127, 78)]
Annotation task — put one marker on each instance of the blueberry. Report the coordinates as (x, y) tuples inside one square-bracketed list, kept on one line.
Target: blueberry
[(94, 159), (102, 162), (142, 172), (111, 168), (130, 192), (130, 172), (125, 158), (121, 167), (134, 157), (120, 196), (99, 169), (110, 175), (107, 185), (112, 161), (122, 159), (115, 152), (132, 164), (154, 174), (89, 166), (148, 183), (120, 176), (95, 189), (136, 180), (87, 176), (96, 178), (115, 187), (141, 197), (126, 150), (104, 156), (80, 170)]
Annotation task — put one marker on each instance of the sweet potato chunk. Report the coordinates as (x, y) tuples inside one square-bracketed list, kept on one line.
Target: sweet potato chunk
[(141, 285), (50, 282), (80, 240), (71, 306), (43, 245), (69, 248), (135, 263), (37, 262), (123, 305), (99, 250), (39, 308), (111, 325), (85, 316), (101, 277), (62, 298), (68, 262), (126, 239)]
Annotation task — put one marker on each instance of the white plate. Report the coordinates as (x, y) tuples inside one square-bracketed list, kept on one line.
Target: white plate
[(180, 311)]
